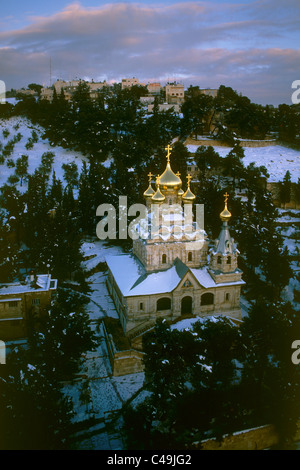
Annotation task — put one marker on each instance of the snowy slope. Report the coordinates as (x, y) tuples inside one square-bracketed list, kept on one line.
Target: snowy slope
[(276, 158), (25, 128)]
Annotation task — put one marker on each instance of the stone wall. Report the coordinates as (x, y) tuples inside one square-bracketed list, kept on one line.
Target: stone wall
[(221, 143), (128, 362), (123, 362), (263, 437)]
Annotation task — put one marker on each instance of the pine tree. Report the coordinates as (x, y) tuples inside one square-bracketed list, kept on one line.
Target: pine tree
[(70, 174), (85, 206), (22, 167), (285, 189), (9, 251)]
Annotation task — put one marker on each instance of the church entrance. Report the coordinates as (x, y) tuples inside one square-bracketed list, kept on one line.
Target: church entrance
[(186, 305)]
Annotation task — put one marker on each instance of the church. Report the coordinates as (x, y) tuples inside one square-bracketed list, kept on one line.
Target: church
[(171, 272)]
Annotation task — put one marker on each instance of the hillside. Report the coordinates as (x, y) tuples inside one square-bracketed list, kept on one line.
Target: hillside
[(276, 158), (25, 127)]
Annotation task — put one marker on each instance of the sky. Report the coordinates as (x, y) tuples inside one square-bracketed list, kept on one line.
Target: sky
[(251, 46)]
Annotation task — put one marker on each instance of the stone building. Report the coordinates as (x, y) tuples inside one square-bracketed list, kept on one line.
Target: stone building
[(172, 272), (175, 93), (154, 88), (209, 92), (130, 82), (19, 300)]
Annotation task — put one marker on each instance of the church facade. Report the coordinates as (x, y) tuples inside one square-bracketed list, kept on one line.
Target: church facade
[(172, 272)]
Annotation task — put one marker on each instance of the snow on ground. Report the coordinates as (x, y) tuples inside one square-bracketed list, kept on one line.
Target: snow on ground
[(12, 101), (25, 127), (98, 249), (107, 393), (107, 396), (101, 304), (276, 158)]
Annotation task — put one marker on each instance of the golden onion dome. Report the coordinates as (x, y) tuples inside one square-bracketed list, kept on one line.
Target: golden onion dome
[(158, 196), (180, 191), (225, 214), (168, 179), (149, 191), (188, 196)]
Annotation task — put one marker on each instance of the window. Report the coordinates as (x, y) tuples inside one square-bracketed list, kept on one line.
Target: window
[(229, 260), (219, 260), (207, 299), (52, 284), (164, 258), (35, 302), (141, 306), (13, 304), (227, 297), (190, 256), (163, 304)]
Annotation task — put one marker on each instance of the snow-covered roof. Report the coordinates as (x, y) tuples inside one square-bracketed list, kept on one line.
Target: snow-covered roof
[(133, 280), (204, 278), (43, 282)]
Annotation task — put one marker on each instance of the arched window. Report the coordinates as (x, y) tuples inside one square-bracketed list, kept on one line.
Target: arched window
[(219, 260), (190, 256), (229, 260), (227, 297), (164, 258), (207, 299), (163, 304)]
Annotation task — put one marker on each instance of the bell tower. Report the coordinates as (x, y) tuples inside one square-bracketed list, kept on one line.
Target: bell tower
[(223, 265)]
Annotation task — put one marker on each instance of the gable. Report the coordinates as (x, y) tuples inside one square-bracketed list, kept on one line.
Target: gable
[(188, 281)]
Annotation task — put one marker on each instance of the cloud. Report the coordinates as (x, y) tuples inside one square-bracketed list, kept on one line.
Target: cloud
[(202, 43)]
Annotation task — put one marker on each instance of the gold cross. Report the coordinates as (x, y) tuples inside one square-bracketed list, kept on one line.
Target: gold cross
[(168, 148), (150, 176), (157, 180), (189, 178), (226, 197), (178, 174)]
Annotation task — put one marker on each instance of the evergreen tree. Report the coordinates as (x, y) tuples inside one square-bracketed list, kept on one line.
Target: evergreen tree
[(35, 412), (285, 189), (70, 174), (9, 251), (207, 159), (85, 208), (22, 167), (270, 381)]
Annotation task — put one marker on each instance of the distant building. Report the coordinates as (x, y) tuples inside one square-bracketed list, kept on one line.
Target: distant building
[(130, 82), (146, 100), (175, 93), (209, 92), (18, 300), (27, 92), (47, 94), (154, 88), (164, 107), (70, 87)]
